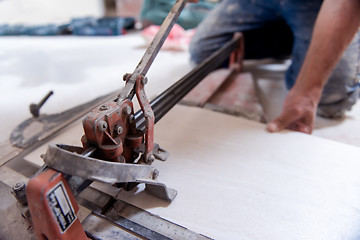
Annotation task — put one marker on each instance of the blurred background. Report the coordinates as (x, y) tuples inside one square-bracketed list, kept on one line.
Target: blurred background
[(62, 11), (80, 50)]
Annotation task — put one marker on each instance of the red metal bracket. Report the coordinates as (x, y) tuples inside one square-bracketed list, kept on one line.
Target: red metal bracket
[(110, 128), (149, 118)]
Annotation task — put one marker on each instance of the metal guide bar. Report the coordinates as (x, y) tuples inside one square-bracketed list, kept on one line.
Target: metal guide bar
[(170, 97), (123, 223), (153, 49), (135, 220)]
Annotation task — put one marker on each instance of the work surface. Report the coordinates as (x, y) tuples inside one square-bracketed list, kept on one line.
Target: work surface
[(235, 180)]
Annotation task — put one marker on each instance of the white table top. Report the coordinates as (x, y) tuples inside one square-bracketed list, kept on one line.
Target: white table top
[(236, 181)]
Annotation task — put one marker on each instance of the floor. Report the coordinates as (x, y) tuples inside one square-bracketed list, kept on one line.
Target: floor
[(85, 68), (34, 12), (76, 69)]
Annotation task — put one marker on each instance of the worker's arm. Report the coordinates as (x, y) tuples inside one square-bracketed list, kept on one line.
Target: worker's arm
[(335, 27)]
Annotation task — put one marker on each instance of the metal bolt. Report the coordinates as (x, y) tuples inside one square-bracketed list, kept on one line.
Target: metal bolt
[(102, 126), (35, 108), (19, 186), (151, 158), (119, 130), (103, 107), (20, 193), (127, 110), (144, 80), (155, 174), (126, 76)]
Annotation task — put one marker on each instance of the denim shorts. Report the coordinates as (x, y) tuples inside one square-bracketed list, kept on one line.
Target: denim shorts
[(279, 28)]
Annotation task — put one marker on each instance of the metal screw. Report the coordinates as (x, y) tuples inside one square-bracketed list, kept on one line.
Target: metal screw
[(126, 76), (119, 130), (35, 108), (127, 110), (103, 107), (155, 174), (102, 126)]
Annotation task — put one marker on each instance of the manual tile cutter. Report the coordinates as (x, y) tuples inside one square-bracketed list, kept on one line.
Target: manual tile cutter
[(117, 144)]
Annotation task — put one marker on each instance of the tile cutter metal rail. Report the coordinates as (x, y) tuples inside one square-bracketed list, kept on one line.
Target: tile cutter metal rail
[(117, 147)]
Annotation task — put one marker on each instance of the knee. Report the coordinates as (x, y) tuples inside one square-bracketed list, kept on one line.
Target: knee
[(334, 104)]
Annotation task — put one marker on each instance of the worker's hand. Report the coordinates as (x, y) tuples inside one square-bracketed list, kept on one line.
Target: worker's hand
[(298, 113)]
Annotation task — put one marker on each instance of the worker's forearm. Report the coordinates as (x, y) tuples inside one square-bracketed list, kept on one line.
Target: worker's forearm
[(336, 25)]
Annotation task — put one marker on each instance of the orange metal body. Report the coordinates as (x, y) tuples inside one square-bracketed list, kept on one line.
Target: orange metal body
[(53, 207)]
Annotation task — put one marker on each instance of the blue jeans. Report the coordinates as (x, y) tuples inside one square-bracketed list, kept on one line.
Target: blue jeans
[(278, 28)]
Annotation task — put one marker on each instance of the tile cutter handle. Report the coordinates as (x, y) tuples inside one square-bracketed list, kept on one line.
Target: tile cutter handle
[(153, 49)]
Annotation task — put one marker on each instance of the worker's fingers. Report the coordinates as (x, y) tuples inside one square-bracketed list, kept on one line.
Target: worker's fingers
[(272, 127), (300, 126), (292, 120), (282, 122), (306, 125), (298, 113)]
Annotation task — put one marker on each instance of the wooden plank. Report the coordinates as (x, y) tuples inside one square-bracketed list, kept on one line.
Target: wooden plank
[(227, 91), (10, 177), (238, 97), (7, 152), (206, 88)]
